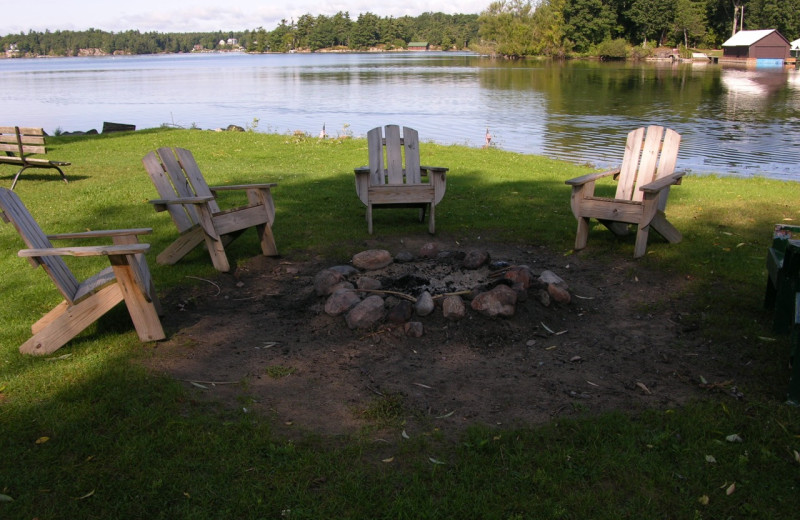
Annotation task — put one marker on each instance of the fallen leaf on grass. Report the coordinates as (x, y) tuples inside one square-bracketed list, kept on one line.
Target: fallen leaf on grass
[(711, 459), (87, 495), (796, 456), (390, 459), (436, 461), (42, 440), (404, 435), (6, 498), (198, 385), (445, 416), (703, 500), (733, 438), (730, 489)]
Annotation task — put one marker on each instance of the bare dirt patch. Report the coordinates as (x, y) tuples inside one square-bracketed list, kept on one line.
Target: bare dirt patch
[(259, 339)]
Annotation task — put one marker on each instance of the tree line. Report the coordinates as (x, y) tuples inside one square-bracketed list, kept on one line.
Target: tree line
[(588, 27), (309, 32), (512, 28)]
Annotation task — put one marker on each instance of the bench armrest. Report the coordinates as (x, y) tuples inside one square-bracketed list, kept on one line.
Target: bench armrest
[(591, 177), (127, 249)]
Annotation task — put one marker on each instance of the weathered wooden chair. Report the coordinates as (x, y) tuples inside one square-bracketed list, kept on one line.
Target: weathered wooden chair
[(783, 276), (644, 179), (386, 183), (128, 278), (195, 212)]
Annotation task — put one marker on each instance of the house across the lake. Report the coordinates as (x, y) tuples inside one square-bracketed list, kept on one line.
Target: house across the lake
[(765, 47), (418, 46)]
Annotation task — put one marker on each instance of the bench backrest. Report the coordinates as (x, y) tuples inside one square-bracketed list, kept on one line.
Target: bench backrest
[(22, 141), (13, 210), (175, 172), (650, 153), (389, 168)]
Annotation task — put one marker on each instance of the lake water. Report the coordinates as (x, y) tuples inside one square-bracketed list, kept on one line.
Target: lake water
[(734, 121)]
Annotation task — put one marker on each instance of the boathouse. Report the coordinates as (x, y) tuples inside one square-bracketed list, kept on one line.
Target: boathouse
[(762, 47), (418, 46)]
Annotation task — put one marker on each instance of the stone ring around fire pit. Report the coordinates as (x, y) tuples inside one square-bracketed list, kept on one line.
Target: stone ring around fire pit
[(378, 287)]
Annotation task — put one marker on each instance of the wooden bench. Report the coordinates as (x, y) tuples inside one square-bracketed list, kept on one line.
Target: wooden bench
[(19, 144)]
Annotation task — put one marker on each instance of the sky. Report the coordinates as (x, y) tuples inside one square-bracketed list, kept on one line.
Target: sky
[(201, 15)]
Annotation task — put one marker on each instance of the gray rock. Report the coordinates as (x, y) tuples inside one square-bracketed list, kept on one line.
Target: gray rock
[(326, 280), (372, 259), (367, 313), (425, 304), (345, 270), (401, 312), (404, 257), (549, 277), (370, 284), (341, 301), (414, 329)]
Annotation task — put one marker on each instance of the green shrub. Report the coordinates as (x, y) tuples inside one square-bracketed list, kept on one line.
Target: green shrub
[(613, 49)]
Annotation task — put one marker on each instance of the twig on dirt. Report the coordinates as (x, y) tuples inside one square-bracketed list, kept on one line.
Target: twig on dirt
[(423, 386), (395, 293), (501, 272), (209, 281), (209, 382), (457, 293)]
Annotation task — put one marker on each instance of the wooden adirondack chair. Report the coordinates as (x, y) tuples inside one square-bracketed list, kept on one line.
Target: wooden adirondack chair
[(195, 212), (386, 183), (128, 279), (644, 179)]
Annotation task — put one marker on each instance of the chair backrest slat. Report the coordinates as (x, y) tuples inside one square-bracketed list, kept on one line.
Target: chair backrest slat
[(35, 238), (394, 158), (195, 177), (411, 145), (394, 155), (650, 153), (164, 185)]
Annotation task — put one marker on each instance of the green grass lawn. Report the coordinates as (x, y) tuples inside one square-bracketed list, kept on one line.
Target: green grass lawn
[(88, 433)]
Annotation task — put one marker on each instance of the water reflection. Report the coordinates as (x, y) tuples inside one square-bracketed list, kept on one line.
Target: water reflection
[(733, 121)]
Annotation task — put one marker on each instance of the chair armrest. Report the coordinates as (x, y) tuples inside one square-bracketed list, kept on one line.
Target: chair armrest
[(434, 169), (101, 233), (182, 200), (362, 170), (591, 177), (663, 182), (127, 249), (244, 187)]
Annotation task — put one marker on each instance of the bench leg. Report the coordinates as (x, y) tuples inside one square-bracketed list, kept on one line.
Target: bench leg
[(16, 177)]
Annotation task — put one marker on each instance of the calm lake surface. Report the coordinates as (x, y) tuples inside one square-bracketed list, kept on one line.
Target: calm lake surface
[(733, 121)]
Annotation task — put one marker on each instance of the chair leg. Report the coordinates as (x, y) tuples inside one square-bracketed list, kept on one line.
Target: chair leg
[(431, 221), (181, 247), (217, 252), (71, 321), (793, 395), (582, 235), (640, 248), (369, 218), (267, 240), (144, 314)]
